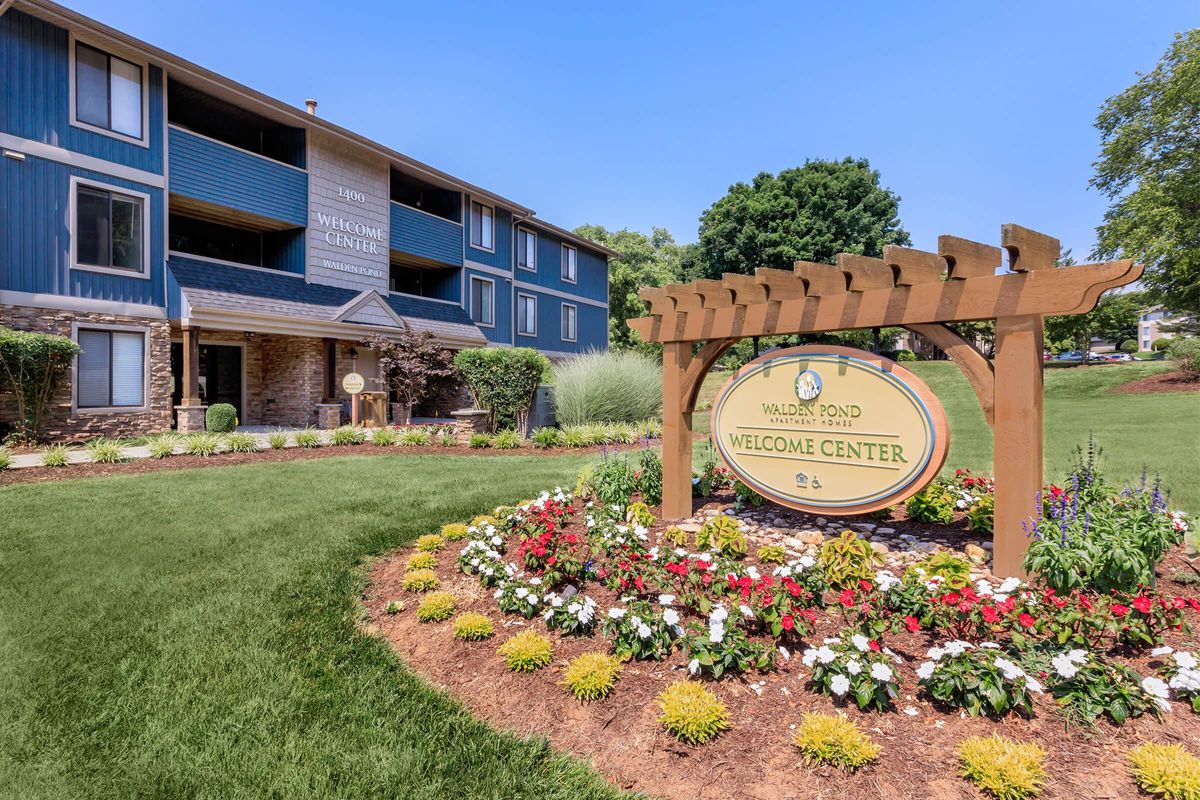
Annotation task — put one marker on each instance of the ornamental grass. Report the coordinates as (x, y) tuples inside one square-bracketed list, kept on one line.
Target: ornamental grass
[(473, 627), (436, 607), (164, 445), (201, 444), (835, 740), (419, 580), (277, 440), (5, 458), (591, 676), (241, 442), (105, 451), (384, 437), (55, 456), (528, 651), (691, 713), (1165, 770), (1001, 767), (347, 435)]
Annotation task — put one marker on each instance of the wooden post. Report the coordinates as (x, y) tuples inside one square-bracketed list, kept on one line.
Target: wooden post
[(329, 364), (191, 367), (1017, 437), (677, 433)]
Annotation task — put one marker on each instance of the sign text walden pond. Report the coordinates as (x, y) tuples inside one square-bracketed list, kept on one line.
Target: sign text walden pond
[(830, 429)]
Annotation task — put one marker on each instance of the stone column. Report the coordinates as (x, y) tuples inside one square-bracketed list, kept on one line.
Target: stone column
[(469, 421), (190, 419), (401, 413), (329, 416), (189, 415)]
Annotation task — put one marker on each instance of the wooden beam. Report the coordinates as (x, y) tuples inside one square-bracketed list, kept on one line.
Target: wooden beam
[(191, 367), (974, 364), (820, 279), (677, 433), (967, 259), (684, 295), (781, 285), (914, 266), (701, 363), (864, 272), (657, 298), (1028, 250), (713, 294), (746, 289)]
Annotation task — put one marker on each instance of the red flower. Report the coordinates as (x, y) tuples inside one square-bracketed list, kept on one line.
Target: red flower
[(865, 585), (1119, 610), (1025, 620), (639, 583), (990, 615), (952, 598), (1142, 604), (873, 646), (787, 622), (846, 598), (912, 624), (1194, 603)]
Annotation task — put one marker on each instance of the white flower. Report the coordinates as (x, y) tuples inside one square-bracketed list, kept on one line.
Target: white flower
[(1155, 687), (839, 685), (666, 599), (1077, 656), (806, 561), (670, 616), (1032, 685), (746, 612), (825, 655), (957, 648), (935, 653), (881, 672), (574, 608), (535, 581), (1186, 681), (925, 671), (694, 666), (497, 541), (784, 653), (809, 658), (853, 667), (886, 580), (719, 614), (1064, 666), (521, 592), (716, 633), (1009, 585), (1162, 651), (643, 630), (1185, 660), (557, 602), (860, 642), (532, 599), (549, 615), (1011, 671), (616, 613), (989, 645)]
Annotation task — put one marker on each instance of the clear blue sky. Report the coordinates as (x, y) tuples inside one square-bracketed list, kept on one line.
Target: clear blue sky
[(975, 113)]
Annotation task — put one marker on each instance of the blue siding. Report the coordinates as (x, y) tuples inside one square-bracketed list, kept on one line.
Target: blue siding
[(592, 268), (425, 235), (502, 333), (591, 325), (35, 245), (503, 255), (216, 173), (37, 105), (284, 250)]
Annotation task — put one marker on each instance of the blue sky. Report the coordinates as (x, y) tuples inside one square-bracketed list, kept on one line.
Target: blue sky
[(975, 113)]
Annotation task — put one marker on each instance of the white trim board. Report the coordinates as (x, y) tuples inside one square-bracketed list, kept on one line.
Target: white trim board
[(574, 298), (83, 305), (80, 161)]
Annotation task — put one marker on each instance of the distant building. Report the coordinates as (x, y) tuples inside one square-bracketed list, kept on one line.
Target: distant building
[(1150, 326)]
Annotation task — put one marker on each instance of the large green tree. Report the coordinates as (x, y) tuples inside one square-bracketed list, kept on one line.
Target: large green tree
[(1114, 319), (811, 212), (1149, 167)]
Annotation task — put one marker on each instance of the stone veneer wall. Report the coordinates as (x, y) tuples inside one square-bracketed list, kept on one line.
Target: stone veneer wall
[(63, 426), (292, 379)]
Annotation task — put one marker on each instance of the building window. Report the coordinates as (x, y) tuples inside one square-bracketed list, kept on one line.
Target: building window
[(483, 229), (569, 316), (108, 92), (526, 249), (526, 315), (108, 229), (483, 301), (570, 266), (111, 369)]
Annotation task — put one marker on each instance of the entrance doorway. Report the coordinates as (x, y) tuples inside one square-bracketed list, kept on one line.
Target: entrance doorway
[(220, 375)]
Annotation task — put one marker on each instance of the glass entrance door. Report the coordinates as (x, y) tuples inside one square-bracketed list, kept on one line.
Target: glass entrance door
[(220, 375)]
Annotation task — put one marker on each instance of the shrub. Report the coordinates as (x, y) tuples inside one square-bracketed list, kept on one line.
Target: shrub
[(420, 561), (415, 437), (5, 458), (858, 670), (610, 386), (1129, 346), (906, 355), (650, 481), (479, 440), (277, 440), (526, 652), (506, 440), (502, 380), (412, 364), (676, 536), (639, 514), (201, 444), (447, 439), (723, 534), (834, 740), (419, 580), (1003, 768), (1160, 344), (547, 437), (1186, 354), (32, 368), (309, 438), (1166, 770), (483, 519), (55, 456), (591, 676), (979, 680), (436, 607), (384, 437), (846, 560), (429, 543), (613, 481), (692, 713), (574, 436), (347, 435), (454, 531), (220, 418), (934, 505), (1087, 686), (241, 443), (771, 554), (163, 445), (106, 451), (472, 627)]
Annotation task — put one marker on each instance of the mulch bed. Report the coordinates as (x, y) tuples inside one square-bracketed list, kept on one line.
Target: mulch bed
[(1160, 382), (621, 738)]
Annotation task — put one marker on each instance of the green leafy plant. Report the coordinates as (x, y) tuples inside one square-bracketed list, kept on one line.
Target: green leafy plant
[(415, 437), (105, 451), (479, 440), (436, 607), (5, 458), (420, 561), (771, 554), (385, 437), (642, 631), (55, 456), (277, 440), (722, 534), (857, 669), (32, 368), (419, 580), (745, 494), (953, 570), (722, 648), (447, 439), (591, 676), (574, 436), (506, 440), (308, 438), (676, 536), (981, 515), (472, 627), (834, 740), (164, 445), (394, 607), (1087, 686), (241, 443), (607, 386), (691, 713), (545, 438), (846, 559), (502, 380), (650, 477), (614, 481), (1185, 352), (639, 514), (979, 680), (220, 418), (934, 504), (429, 543), (201, 443), (528, 651), (1165, 770), (1005, 769), (454, 531), (347, 435)]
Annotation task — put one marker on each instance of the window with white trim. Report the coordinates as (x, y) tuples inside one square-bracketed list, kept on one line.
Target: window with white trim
[(111, 370), (108, 91), (108, 229), (483, 226), (526, 315), (570, 265), (526, 249), (570, 315), (483, 301)]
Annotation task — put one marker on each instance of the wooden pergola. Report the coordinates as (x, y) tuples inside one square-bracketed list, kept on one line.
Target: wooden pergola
[(921, 291)]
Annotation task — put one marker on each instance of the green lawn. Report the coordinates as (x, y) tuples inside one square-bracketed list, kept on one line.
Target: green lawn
[(1160, 432), (192, 634)]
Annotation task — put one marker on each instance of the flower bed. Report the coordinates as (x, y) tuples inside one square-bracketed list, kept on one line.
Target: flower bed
[(919, 645)]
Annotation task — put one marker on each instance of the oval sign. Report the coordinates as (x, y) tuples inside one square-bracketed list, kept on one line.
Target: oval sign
[(353, 383), (830, 430)]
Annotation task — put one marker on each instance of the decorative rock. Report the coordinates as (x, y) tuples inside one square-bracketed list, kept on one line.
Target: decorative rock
[(822, 521), (813, 538), (866, 527), (885, 531), (880, 548), (986, 545), (976, 553), (689, 527)]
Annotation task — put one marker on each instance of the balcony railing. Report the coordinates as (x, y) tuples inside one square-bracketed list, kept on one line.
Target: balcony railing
[(425, 235)]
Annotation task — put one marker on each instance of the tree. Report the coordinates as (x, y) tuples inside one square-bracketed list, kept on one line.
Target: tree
[(503, 380), (652, 260), (32, 367), (1114, 319), (811, 212), (412, 364), (1149, 168)]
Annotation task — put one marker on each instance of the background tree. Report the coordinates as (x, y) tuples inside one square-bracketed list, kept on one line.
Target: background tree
[(32, 368), (1149, 167), (811, 212), (1114, 319), (413, 365)]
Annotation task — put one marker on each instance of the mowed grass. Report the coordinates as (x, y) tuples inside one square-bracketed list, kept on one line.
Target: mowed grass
[(1160, 432), (194, 634)]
